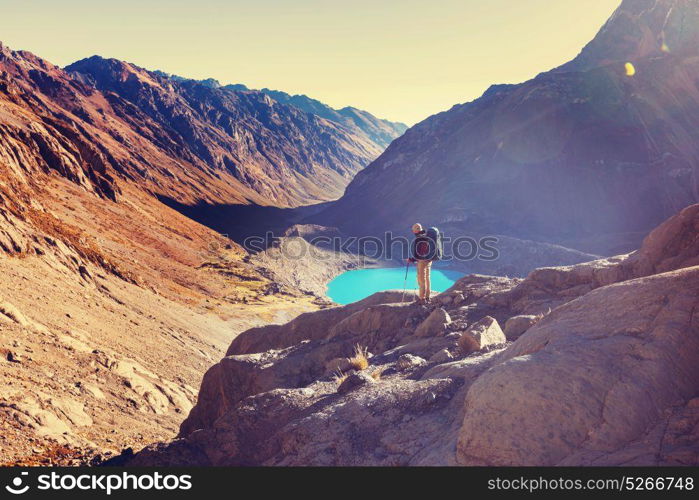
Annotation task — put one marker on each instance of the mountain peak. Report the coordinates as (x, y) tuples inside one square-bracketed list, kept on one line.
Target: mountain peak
[(106, 62), (640, 29), (107, 69)]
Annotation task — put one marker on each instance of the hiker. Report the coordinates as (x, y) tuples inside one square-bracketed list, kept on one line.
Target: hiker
[(425, 248)]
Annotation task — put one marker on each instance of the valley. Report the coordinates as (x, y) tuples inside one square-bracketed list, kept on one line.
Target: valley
[(112, 303)]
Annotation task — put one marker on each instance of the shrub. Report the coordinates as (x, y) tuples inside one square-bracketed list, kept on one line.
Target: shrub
[(360, 360)]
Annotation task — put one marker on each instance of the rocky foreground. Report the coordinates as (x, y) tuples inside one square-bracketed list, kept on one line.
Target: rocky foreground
[(591, 364)]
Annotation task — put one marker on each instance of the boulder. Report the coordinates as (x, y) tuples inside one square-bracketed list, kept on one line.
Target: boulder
[(517, 325), (482, 334), (424, 348), (672, 245), (445, 300), (466, 369), (435, 325), (354, 381), (376, 328), (409, 362), (443, 356), (475, 286)]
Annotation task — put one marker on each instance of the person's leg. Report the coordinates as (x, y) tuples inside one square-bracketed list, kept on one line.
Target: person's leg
[(428, 271), (421, 278)]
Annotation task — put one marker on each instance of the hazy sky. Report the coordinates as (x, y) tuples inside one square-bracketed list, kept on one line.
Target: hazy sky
[(401, 60)]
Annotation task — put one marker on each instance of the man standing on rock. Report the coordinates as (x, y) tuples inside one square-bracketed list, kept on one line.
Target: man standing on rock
[(420, 252)]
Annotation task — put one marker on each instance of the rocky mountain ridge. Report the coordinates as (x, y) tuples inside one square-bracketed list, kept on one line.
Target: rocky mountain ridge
[(381, 131), (378, 130), (273, 153)]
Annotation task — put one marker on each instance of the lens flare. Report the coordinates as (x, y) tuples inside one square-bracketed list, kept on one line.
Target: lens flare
[(630, 70)]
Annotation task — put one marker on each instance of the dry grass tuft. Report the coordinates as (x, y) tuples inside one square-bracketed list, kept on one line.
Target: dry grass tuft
[(360, 360), (340, 377)]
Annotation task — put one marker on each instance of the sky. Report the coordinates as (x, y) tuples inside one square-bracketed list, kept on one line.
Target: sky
[(401, 60)]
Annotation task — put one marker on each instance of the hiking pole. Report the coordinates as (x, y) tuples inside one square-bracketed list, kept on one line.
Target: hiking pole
[(405, 281)]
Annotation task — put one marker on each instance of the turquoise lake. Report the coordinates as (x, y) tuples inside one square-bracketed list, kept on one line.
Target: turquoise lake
[(352, 286)]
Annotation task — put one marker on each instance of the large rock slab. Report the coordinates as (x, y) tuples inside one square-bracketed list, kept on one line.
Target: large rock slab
[(375, 328), (307, 326), (238, 376), (592, 376)]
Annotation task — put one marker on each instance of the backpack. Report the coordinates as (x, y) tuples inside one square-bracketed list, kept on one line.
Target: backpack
[(437, 246), (428, 246)]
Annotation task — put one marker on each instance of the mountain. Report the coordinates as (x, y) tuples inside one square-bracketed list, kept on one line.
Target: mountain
[(589, 155), (377, 130), (230, 147), (382, 132)]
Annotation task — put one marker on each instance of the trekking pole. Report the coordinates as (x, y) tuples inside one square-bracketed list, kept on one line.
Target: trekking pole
[(405, 281)]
